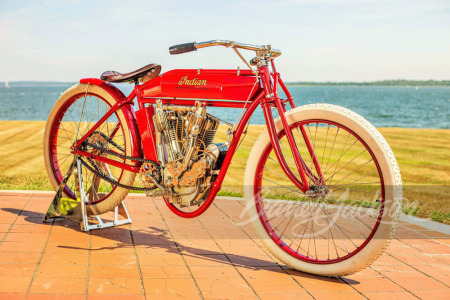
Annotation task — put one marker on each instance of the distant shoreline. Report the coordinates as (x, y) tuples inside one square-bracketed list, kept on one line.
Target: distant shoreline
[(384, 83), (396, 83), (36, 83)]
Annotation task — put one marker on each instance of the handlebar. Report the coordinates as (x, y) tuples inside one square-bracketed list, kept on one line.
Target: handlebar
[(188, 47), (183, 48)]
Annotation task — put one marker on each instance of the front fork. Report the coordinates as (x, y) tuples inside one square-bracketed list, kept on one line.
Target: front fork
[(273, 101)]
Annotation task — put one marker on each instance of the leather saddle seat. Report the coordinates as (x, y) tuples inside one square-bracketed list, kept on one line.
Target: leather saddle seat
[(143, 74)]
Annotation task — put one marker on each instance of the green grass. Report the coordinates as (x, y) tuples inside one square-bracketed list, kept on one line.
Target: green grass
[(408, 210), (230, 194), (440, 217), (422, 154)]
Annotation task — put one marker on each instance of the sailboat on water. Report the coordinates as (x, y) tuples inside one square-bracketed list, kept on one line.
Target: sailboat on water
[(6, 84)]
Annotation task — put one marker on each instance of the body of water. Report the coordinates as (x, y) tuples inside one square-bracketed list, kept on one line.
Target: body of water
[(422, 107)]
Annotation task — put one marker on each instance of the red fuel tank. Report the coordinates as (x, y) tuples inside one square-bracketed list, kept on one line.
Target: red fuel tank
[(203, 84)]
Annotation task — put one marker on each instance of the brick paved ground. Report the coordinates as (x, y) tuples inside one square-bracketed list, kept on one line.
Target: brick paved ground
[(161, 256)]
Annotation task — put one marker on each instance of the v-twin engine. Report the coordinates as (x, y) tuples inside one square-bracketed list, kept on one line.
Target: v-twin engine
[(186, 153)]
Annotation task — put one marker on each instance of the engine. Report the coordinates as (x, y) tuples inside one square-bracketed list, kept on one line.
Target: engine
[(186, 153)]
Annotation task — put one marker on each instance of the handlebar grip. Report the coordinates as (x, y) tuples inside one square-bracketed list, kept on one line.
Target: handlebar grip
[(182, 48)]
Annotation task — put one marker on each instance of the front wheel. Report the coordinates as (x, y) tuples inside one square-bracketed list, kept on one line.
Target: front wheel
[(346, 221)]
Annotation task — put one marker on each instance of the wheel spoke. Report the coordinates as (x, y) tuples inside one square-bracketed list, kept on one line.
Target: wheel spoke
[(332, 221), (73, 120)]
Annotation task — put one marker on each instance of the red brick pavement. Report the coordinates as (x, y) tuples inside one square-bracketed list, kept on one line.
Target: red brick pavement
[(161, 256)]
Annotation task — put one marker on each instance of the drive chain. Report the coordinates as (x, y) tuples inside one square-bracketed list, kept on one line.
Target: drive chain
[(107, 178)]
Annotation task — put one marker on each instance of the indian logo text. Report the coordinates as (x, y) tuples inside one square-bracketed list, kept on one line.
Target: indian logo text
[(185, 81)]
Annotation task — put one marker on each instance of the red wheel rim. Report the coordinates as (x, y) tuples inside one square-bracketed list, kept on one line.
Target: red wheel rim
[(53, 143), (277, 236)]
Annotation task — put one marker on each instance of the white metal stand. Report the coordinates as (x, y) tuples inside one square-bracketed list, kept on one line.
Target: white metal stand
[(75, 209), (85, 225)]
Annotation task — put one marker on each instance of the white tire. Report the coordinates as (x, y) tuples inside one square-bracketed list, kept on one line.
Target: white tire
[(391, 177)]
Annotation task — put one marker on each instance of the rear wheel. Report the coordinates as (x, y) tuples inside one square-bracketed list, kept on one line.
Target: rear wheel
[(74, 113), (338, 227)]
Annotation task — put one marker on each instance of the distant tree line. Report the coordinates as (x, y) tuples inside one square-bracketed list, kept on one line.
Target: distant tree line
[(400, 82)]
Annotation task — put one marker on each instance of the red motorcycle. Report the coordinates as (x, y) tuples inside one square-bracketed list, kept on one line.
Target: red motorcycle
[(322, 187)]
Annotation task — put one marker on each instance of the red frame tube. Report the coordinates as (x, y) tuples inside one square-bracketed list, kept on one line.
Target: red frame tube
[(112, 110), (127, 109), (274, 101), (107, 160), (217, 184), (267, 97)]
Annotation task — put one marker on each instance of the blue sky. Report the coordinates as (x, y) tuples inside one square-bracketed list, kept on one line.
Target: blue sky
[(321, 40)]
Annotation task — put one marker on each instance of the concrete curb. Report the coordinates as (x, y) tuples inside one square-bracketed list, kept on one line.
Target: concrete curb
[(431, 225)]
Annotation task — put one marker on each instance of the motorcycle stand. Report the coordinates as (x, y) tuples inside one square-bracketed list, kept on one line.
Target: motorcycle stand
[(75, 209)]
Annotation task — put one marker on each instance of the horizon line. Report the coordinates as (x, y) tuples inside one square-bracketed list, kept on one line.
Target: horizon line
[(287, 82)]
